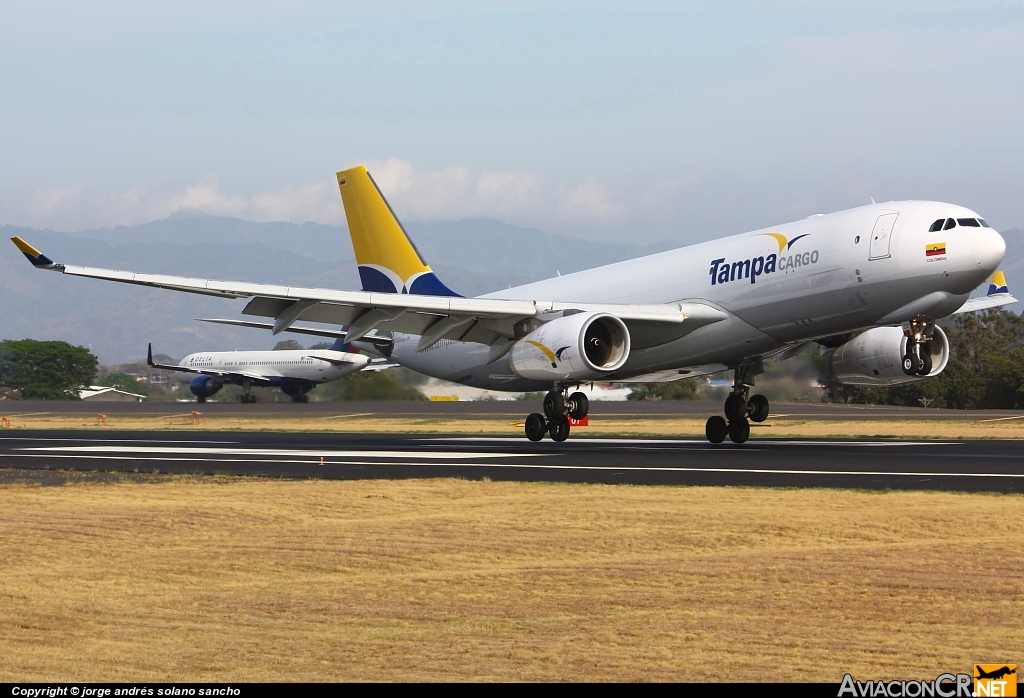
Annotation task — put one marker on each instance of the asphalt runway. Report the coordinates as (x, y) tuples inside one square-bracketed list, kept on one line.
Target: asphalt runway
[(51, 456)]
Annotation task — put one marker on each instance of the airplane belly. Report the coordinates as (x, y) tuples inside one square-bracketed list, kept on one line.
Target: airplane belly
[(729, 342), (462, 362)]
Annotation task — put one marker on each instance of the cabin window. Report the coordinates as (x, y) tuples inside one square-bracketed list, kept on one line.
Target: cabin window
[(950, 223), (937, 225), (968, 222), (983, 223)]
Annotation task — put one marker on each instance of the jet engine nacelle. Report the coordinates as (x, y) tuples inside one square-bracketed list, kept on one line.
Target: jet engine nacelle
[(875, 358), (203, 386), (582, 346)]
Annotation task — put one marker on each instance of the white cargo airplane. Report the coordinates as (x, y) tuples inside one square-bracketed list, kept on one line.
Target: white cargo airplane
[(295, 372), (867, 283)]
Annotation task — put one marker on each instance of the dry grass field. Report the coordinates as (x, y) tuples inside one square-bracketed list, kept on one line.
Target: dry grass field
[(238, 579), (781, 426)]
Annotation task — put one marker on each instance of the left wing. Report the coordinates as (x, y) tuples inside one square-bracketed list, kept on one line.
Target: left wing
[(215, 372), (998, 294), (482, 320), (337, 361)]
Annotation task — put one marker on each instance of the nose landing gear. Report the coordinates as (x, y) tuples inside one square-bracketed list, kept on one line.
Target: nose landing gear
[(739, 409), (918, 359), (557, 409)]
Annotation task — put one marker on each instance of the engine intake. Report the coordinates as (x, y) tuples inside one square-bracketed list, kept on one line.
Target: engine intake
[(582, 346), (875, 358), (204, 386)]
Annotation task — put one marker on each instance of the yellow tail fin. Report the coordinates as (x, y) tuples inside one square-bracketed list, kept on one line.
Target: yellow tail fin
[(388, 261)]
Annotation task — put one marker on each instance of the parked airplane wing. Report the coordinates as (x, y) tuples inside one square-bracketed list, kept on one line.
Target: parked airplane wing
[(998, 295), (216, 372), (379, 365), (332, 360), (482, 320)]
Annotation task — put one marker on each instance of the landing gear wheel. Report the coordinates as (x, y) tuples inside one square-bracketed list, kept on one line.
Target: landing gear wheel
[(580, 405), (739, 431), (201, 399), (757, 408), (301, 397), (926, 364), (535, 427), (911, 364), (554, 405), (559, 428), (716, 429), (735, 407)]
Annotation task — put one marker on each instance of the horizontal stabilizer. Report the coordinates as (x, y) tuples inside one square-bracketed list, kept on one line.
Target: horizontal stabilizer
[(373, 337)]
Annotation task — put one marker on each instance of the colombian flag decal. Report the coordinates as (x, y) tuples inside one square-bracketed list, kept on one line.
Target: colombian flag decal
[(934, 249)]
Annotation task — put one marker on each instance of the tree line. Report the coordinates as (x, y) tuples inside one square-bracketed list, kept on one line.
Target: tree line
[(46, 370), (985, 371)]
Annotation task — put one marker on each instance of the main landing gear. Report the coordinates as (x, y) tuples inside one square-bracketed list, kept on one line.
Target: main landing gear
[(918, 359), (739, 409), (297, 393), (558, 407), (246, 397)]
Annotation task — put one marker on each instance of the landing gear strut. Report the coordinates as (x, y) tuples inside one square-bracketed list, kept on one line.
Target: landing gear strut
[(297, 393), (247, 396), (558, 407), (738, 408), (918, 359)]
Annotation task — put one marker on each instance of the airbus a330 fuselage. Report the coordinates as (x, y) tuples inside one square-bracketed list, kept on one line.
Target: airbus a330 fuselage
[(827, 275)]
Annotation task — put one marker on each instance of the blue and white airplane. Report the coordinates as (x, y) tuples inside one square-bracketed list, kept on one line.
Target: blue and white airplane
[(295, 372), (866, 283)]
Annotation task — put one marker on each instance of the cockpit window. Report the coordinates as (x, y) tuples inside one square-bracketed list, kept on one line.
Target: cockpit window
[(937, 225), (968, 222), (950, 223), (983, 223)]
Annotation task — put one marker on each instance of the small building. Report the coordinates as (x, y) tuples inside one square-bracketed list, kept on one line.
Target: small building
[(102, 393)]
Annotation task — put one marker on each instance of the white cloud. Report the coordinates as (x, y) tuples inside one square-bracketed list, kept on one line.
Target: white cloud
[(75, 207), (449, 193)]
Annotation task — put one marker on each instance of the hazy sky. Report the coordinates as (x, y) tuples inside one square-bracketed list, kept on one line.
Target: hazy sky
[(680, 121)]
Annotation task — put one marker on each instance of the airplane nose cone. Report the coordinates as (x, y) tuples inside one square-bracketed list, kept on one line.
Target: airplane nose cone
[(987, 248)]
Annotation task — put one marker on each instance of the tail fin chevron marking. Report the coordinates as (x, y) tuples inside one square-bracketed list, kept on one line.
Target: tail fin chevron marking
[(388, 261)]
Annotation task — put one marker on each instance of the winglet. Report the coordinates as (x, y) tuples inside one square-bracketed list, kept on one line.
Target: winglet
[(37, 258), (149, 355)]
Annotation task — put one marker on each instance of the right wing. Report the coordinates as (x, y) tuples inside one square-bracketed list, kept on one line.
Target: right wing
[(998, 295)]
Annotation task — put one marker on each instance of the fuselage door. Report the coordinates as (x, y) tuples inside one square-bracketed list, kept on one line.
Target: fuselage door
[(881, 236)]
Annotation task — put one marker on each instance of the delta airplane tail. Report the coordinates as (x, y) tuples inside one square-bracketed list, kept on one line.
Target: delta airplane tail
[(388, 261)]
